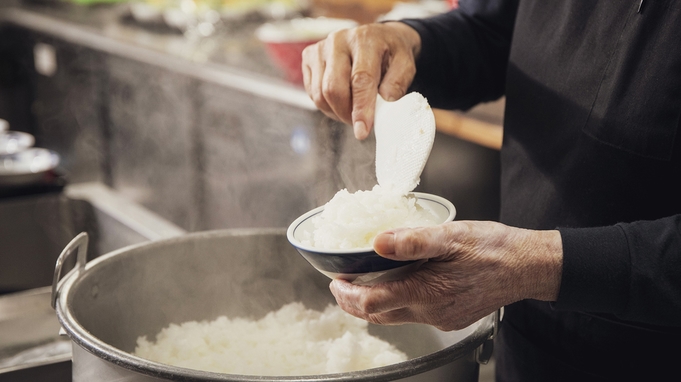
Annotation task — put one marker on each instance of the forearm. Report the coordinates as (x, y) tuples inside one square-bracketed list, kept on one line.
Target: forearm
[(632, 270)]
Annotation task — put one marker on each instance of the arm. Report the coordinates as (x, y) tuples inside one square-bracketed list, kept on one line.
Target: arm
[(464, 53), (631, 270)]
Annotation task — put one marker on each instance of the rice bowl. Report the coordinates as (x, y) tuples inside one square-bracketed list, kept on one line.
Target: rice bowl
[(360, 265)]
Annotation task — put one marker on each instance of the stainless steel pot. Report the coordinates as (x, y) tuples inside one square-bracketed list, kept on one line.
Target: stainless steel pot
[(104, 305)]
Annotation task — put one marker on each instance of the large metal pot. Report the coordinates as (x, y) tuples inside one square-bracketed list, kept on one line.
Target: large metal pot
[(104, 305)]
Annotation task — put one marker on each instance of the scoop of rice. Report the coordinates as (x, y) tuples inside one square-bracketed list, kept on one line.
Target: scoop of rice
[(291, 341), (352, 220)]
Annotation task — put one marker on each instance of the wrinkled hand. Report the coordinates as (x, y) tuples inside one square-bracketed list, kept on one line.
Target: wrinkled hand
[(343, 73), (473, 269)]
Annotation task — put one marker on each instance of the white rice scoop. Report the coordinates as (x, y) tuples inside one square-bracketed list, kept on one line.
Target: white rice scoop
[(405, 131)]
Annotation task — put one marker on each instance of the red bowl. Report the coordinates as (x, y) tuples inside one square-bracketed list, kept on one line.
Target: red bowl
[(288, 56), (285, 40)]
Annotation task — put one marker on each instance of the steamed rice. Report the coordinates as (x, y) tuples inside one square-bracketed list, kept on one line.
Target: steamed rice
[(352, 220), (291, 341)]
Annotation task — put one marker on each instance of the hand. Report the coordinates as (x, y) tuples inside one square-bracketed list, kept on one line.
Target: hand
[(473, 269), (343, 73)]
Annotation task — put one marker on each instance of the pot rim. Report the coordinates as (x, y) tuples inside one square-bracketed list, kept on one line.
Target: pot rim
[(80, 336)]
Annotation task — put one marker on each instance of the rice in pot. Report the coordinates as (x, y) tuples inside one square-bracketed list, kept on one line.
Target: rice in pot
[(291, 341)]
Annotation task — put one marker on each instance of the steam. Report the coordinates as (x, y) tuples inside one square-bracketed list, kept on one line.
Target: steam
[(341, 161), (357, 162)]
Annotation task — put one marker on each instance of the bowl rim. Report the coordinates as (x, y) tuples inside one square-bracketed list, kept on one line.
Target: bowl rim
[(309, 214)]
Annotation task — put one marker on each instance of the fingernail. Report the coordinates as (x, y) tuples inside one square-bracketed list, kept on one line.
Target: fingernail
[(384, 243), (360, 129), (391, 98)]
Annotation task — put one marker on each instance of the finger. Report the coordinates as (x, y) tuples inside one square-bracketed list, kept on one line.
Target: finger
[(336, 79), (313, 73), (352, 298), (307, 75), (349, 296), (345, 294), (400, 71), (393, 317), (384, 244), (406, 244), (404, 307), (365, 77), (367, 302)]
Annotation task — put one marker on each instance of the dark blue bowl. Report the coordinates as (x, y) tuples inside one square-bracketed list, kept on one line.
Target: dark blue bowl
[(360, 265)]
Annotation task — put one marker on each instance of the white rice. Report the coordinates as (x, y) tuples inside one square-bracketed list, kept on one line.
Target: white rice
[(291, 341), (352, 220)]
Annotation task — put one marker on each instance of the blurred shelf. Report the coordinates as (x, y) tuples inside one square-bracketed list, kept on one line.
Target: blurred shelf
[(482, 125)]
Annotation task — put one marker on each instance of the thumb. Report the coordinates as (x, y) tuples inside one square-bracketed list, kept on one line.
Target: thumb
[(411, 243)]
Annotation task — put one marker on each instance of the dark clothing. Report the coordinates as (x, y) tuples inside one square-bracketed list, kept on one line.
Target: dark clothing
[(592, 146)]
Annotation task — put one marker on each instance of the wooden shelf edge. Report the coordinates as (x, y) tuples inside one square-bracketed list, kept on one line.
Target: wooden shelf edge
[(473, 130)]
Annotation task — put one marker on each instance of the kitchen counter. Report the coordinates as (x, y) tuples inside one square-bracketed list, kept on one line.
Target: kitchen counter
[(233, 56)]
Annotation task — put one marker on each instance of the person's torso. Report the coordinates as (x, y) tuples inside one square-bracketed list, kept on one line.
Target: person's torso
[(592, 125)]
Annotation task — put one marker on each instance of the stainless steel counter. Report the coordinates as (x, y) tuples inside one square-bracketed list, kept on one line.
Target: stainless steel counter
[(232, 57)]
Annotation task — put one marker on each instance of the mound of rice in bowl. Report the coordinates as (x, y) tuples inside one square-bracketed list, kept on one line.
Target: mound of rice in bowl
[(288, 342), (352, 220)]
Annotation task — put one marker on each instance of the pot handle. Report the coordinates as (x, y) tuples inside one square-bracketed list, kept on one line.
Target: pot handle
[(484, 352), (79, 243)]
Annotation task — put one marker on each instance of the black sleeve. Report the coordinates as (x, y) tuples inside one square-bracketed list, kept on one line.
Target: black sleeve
[(464, 53), (630, 270)]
